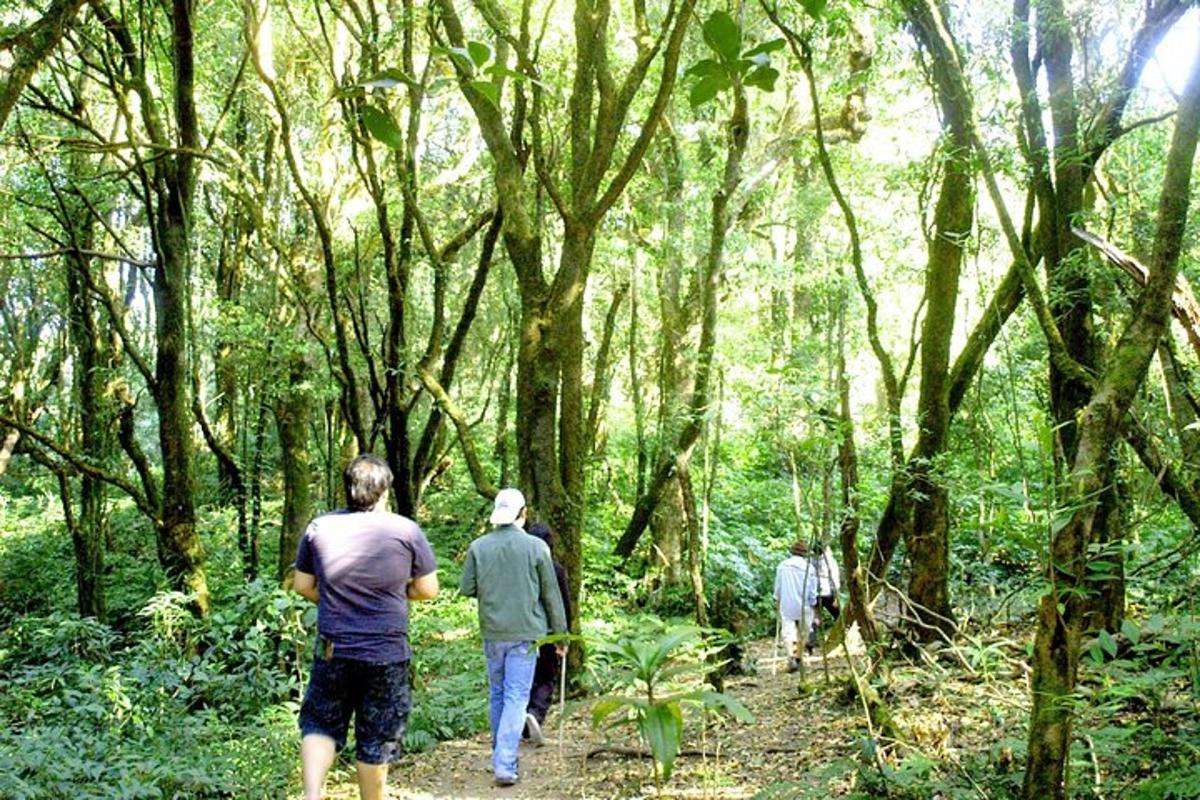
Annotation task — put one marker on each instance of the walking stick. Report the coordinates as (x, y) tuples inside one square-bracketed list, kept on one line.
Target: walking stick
[(562, 701), (775, 650)]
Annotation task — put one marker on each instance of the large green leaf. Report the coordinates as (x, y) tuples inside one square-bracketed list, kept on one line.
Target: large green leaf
[(723, 35), (764, 48), (1107, 643), (707, 67), (667, 643), (726, 703), (461, 56), (662, 728), (763, 78), (479, 53), (382, 126), (604, 707), (386, 79), (489, 90), (815, 8)]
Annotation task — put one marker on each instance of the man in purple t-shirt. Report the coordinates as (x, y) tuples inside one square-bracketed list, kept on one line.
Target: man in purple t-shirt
[(361, 566)]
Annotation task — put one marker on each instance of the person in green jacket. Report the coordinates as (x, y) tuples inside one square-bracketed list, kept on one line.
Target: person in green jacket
[(512, 576)]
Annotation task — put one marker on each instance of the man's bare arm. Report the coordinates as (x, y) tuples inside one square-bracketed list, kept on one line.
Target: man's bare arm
[(424, 587), (305, 585)]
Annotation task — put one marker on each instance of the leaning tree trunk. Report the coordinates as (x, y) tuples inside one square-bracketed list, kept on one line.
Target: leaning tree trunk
[(30, 48), (1062, 609)]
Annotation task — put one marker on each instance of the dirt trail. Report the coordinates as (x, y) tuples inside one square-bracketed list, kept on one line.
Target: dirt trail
[(793, 730)]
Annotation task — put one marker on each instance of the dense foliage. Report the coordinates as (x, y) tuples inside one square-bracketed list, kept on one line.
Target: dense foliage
[(702, 278)]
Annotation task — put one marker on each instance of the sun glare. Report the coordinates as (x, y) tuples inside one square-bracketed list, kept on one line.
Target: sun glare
[(1168, 69)]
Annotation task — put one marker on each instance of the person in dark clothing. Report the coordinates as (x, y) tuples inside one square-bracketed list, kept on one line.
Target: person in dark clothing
[(545, 673)]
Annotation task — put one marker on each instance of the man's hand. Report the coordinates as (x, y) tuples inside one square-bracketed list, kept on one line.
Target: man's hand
[(561, 649)]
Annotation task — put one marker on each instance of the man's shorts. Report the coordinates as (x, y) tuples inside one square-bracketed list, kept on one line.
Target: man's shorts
[(376, 695)]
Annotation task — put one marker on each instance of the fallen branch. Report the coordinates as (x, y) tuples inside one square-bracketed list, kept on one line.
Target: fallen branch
[(1183, 300), (635, 752)]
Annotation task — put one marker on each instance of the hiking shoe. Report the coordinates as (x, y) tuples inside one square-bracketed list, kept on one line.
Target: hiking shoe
[(793, 664), (505, 780), (534, 729)]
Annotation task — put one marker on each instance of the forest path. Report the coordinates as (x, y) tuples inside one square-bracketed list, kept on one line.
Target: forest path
[(794, 730)]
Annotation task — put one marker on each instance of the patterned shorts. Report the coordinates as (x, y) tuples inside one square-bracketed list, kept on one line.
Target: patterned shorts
[(376, 695)]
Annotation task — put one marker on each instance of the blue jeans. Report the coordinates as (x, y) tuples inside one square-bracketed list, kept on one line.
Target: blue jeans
[(510, 673)]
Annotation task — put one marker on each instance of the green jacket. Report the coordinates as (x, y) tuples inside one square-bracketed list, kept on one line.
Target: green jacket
[(512, 574)]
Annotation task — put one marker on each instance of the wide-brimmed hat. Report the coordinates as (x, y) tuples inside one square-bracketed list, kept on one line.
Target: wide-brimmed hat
[(508, 506)]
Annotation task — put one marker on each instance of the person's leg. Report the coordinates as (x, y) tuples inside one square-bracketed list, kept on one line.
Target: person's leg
[(381, 717), (317, 752), (494, 653), (324, 720), (519, 662), (789, 636), (545, 674), (372, 780), (834, 608)]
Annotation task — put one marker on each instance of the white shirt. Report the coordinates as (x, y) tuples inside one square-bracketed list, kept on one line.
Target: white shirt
[(829, 577), (795, 587)]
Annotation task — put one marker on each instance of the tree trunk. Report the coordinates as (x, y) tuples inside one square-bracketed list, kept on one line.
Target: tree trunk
[(929, 542), (32, 46), (292, 412), (180, 548), (858, 608), (668, 524), (87, 532), (1062, 609)]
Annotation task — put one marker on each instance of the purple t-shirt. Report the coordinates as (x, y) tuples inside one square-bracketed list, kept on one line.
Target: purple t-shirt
[(363, 562)]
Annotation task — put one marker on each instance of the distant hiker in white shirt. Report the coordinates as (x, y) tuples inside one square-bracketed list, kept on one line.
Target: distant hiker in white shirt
[(796, 587), (829, 582)]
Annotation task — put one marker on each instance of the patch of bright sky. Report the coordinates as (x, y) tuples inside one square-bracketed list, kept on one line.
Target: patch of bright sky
[(1167, 71)]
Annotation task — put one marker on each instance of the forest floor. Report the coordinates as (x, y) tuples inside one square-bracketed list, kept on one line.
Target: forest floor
[(807, 736)]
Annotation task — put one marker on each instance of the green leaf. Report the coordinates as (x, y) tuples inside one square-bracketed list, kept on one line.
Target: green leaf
[(604, 707), (1132, 632), (1060, 521), (707, 88), (386, 79), (382, 126), (662, 728), (1108, 644), (726, 703), (479, 53), (462, 57), (489, 90), (815, 8), (763, 78), (668, 642), (723, 35), (706, 68), (764, 48)]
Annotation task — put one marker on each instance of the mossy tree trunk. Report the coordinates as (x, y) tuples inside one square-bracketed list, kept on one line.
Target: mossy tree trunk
[(929, 537), (1062, 609), (550, 403)]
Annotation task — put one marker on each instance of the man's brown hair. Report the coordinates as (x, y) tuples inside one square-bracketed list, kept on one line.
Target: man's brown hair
[(366, 479)]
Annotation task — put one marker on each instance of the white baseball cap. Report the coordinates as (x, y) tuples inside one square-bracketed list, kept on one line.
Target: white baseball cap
[(508, 506)]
